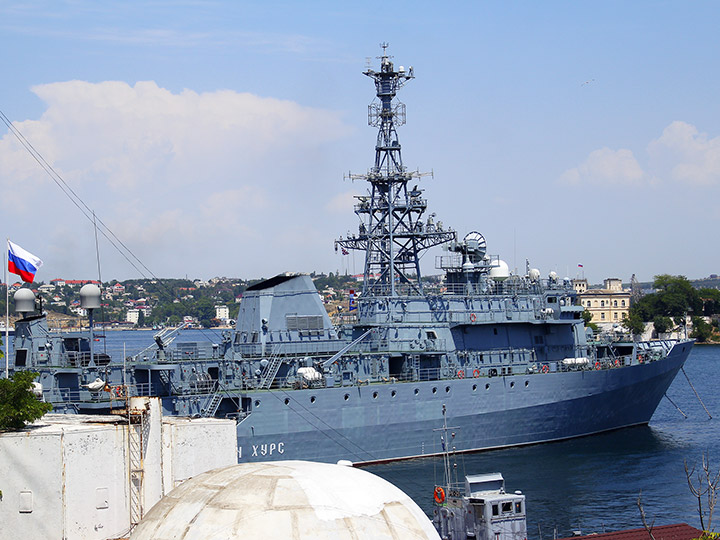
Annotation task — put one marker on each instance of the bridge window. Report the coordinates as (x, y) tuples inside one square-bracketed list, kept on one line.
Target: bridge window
[(507, 507)]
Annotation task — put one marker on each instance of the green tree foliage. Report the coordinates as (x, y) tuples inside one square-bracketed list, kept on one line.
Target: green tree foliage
[(587, 317), (18, 405), (674, 297), (711, 301), (634, 323), (701, 329), (662, 324)]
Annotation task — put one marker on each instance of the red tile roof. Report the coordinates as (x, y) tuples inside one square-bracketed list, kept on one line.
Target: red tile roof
[(679, 531)]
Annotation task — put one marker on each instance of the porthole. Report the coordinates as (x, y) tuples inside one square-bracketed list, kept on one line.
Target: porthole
[(375, 395), (447, 389), (257, 402), (347, 396), (417, 391), (393, 393), (487, 386), (287, 401), (312, 399), (434, 390), (474, 387), (512, 384), (526, 384)]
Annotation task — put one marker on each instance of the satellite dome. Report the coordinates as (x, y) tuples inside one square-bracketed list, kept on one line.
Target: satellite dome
[(500, 272), (286, 499), (534, 274), (24, 301), (90, 296)]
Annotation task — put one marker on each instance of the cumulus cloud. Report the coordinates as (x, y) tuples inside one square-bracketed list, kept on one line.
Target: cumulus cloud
[(606, 166), (177, 176), (686, 155), (342, 203)]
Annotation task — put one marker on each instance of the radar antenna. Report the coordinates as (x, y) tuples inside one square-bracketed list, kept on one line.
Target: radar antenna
[(392, 231)]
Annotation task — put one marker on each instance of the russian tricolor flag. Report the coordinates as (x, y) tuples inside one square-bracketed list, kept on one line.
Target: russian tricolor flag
[(23, 263)]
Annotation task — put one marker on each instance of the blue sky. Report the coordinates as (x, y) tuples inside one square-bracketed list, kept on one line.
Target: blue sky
[(213, 137)]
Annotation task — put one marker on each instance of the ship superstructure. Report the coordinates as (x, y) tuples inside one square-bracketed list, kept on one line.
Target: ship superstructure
[(506, 354)]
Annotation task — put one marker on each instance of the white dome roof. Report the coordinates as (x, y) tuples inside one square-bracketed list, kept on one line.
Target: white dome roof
[(285, 499)]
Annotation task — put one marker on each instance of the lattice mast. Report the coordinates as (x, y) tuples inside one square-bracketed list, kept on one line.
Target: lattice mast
[(392, 232)]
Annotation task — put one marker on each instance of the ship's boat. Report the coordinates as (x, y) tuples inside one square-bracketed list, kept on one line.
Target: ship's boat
[(507, 355)]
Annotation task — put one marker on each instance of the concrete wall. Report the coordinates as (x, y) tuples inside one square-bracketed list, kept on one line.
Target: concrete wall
[(193, 446), (64, 481), (67, 476)]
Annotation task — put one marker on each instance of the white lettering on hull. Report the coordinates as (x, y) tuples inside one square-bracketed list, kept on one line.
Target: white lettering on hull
[(261, 450)]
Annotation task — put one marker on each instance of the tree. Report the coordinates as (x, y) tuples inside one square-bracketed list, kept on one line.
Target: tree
[(204, 310), (634, 323), (141, 319), (18, 405), (701, 330), (587, 317), (662, 324), (703, 485), (711, 301), (675, 297)]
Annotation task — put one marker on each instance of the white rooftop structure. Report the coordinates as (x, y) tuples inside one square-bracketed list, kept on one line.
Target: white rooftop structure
[(85, 477), (286, 499)]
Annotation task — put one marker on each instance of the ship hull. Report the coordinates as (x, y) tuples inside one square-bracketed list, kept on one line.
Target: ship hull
[(385, 422)]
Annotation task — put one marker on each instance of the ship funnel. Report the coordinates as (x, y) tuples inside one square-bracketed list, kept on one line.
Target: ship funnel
[(24, 301), (90, 296)]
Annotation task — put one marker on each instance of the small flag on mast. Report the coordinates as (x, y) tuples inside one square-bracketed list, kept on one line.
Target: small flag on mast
[(22, 262), (580, 265)]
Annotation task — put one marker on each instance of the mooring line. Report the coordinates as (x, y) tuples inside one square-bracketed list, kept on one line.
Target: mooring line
[(678, 408), (696, 394)]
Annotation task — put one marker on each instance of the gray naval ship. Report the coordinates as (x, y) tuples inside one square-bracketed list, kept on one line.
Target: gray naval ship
[(506, 354)]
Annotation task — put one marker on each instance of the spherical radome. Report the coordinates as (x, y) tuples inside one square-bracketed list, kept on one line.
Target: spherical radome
[(285, 499), (90, 296)]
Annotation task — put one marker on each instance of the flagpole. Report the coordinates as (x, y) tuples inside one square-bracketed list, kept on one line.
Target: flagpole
[(7, 309)]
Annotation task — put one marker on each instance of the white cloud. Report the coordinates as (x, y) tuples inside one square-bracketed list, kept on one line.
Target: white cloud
[(342, 203), (606, 166), (685, 155), (177, 176)]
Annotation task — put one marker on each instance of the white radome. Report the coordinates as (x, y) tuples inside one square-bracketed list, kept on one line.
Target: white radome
[(501, 271), (285, 499)]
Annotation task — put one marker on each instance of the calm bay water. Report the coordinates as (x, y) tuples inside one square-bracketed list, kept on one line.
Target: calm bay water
[(593, 483), (590, 483)]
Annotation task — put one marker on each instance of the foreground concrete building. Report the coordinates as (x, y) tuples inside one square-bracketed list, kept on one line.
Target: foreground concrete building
[(91, 477)]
